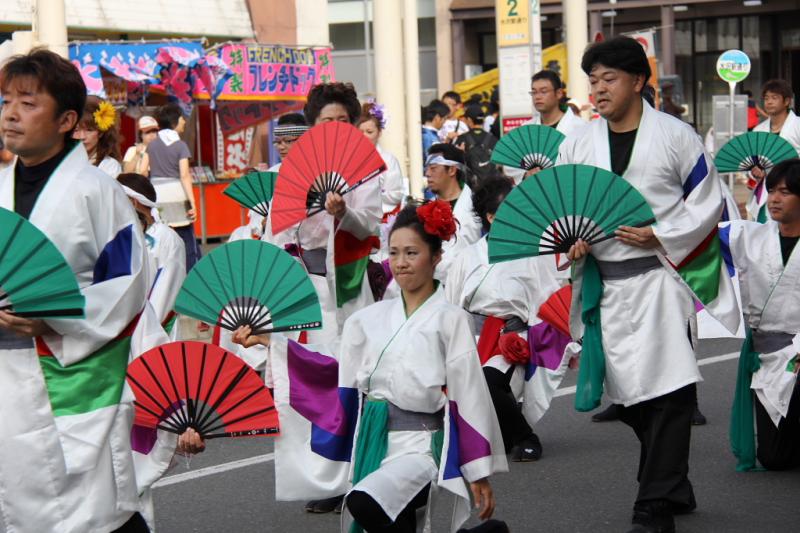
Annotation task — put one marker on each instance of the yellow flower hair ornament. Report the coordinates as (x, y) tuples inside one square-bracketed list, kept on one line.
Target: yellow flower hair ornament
[(105, 116)]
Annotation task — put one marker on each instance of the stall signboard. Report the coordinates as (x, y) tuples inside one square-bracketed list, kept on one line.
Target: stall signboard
[(273, 72)]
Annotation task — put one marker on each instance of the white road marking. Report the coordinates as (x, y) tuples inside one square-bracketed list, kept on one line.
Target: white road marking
[(269, 457), (211, 470)]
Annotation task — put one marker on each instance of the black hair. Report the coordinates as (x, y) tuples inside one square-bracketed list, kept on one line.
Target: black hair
[(622, 53), (107, 141), (550, 76), (292, 119), (777, 86), (138, 183), (787, 172), (452, 153), (649, 94), (435, 107), (452, 94), (168, 116), (489, 194), (52, 73), (323, 94), (407, 218)]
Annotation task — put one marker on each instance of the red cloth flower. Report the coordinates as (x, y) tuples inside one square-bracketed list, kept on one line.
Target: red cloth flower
[(437, 219), (514, 349)]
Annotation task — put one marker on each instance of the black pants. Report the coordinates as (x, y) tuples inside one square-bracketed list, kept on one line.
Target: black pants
[(779, 447), (136, 524), (513, 425), (663, 426), (370, 515)]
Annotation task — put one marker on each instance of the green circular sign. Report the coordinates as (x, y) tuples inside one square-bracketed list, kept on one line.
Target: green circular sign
[(733, 66)]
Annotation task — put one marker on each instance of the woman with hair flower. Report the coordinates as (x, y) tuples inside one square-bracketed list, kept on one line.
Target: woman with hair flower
[(394, 187), (426, 421), (98, 132)]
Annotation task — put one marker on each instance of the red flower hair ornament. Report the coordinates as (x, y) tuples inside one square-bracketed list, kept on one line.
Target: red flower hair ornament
[(437, 219)]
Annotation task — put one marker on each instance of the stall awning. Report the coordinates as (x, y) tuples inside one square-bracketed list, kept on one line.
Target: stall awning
[(181, 68)]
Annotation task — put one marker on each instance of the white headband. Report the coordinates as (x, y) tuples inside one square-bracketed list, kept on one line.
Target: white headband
[(439, 159), (145, 201)]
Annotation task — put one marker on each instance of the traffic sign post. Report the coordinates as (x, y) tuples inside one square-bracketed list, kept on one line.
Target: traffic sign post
[(733, 66)]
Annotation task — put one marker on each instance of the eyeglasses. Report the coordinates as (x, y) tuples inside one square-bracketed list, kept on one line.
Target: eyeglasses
[(288, 141), (542, 92)]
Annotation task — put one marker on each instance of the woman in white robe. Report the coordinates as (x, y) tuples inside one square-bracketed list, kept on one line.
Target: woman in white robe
[(768, 266), (426, 419), (504, 299)]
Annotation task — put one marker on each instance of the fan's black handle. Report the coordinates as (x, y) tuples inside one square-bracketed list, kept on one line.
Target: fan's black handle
[(44, 314), (647, 222), (353, 187), (251, 433)]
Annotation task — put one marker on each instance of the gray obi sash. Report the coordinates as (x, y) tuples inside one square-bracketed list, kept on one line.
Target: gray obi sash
[(314, 260), (770, 341), (615, 270), (11, 341), (402, 420)]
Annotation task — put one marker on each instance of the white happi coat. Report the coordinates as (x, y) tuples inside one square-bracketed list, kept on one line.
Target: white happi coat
[(408, 361), (362, 220), (393, 185), (52, 479), (771, 303), (509, 289), (468, 231), (790, 130), (646, 319), (169, 252), (791, 133)]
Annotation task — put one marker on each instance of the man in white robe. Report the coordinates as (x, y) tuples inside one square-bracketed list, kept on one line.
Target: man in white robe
[(766, 259), (646, 310), (547, 95), (778, 97), (444, 170), (65, 453)]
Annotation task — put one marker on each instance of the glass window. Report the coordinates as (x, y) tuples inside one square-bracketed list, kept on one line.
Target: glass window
[(427, 31), (683, 38), (348, 36)]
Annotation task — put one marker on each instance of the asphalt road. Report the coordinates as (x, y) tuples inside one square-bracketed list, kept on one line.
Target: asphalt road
[(585, 482)]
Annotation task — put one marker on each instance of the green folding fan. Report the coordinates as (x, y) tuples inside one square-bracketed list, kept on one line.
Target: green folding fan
[(549, 214), (35, 279), (253, 191), (250, 283), (528, 147), (753, 149)]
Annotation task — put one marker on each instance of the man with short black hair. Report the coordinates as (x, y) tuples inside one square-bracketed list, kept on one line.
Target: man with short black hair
[(453, 126), (433, 118), (644, 319), (169, 169), (778, 96), (65, 454), (765, 255), (477, 145), (547, 94)]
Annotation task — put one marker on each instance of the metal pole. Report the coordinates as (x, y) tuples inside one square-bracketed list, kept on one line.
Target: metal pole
[(367, 47), (413, 125), (536, 36), (199, 158), (732, 87)]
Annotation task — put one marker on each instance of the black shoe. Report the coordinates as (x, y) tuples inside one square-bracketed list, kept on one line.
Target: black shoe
[(328, 505), (609, 415), (684, 508), (698, 419), (653, 517), (528, 450)]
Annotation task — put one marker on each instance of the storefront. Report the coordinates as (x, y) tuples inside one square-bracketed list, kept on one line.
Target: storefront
[(768, 31)]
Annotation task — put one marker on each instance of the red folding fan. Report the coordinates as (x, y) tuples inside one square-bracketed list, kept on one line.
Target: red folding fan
[(195, 385), (330, 157), (555, 310)]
